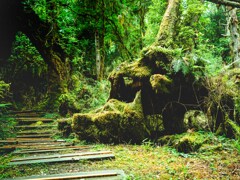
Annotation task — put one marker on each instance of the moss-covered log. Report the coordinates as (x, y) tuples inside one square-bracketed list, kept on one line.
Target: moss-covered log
[(115, 122)]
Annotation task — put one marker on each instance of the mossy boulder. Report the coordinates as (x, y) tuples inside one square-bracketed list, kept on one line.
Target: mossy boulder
[(189, 143), (115, 122), (196, 120), (184, 143)]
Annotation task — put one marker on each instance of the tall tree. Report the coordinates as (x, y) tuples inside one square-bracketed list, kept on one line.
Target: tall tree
[(100, 39), (234, 34), (44, 36)]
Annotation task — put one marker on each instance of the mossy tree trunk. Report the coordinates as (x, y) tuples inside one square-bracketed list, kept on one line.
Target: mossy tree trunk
[(165, 37), (44, 36), (100, 40), (235, 39)]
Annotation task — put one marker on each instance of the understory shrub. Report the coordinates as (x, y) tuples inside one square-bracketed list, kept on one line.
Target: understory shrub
[(86, 94)]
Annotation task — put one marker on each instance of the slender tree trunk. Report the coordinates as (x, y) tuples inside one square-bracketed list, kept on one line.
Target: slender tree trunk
[(165, 37), (142, 13), (98, 55), (235, 44), (100, 43)]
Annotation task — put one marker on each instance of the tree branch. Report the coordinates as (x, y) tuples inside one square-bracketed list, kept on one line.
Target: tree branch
[(232, 3)]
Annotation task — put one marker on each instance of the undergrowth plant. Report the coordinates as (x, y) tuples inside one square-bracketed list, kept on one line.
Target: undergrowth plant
[(86, 95)]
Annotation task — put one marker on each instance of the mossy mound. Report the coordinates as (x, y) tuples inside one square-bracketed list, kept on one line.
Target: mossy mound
[(115, 122), (160, 83), (196, 120), (223, 99), (230, 129), (186, 142)]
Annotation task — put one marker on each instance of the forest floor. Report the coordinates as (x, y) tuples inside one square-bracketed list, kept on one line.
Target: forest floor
[(217, 158), (145, 161)]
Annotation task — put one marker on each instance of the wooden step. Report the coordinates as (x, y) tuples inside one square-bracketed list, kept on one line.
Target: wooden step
[(29, 114), (33, 120), (39, 146), (50, 150), (25, 111), (98, 175), (61, 156), (64, 159), (36, 132), (28, 140), (36, 127), (35, 136)]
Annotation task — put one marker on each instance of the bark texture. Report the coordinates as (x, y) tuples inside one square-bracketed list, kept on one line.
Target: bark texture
[(232, 3), (167, 27), (235, 39)]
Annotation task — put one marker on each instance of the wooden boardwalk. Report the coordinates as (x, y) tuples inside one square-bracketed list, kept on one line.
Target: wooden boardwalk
[(35, 137)]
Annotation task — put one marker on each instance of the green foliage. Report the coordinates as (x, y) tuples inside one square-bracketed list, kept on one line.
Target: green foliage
[(224, 89), (200, 141), (27, 72), (153, 19), (4, 97), (26, 58), (4, 90), (189, 28), (199, 62), (214, 31), (7, 126), (86, 95), (200, 29)]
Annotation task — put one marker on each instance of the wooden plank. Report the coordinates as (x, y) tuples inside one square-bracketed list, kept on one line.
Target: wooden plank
[(36, 132), (22, 140), (61, 156), (28, 114), (34, 136), (25, 111), (28, 139), (34, 127), (53, 147), (40, 144), (65, 159), (27, 119), (33, 119), (51, 150), (105, 174), (40, 147)]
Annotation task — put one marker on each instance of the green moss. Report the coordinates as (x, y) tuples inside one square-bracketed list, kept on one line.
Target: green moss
[(186, 143), (189, 143), (115, 122), (196, 120), (160, 83), (229, 128), (232, 129), (133, 70)]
